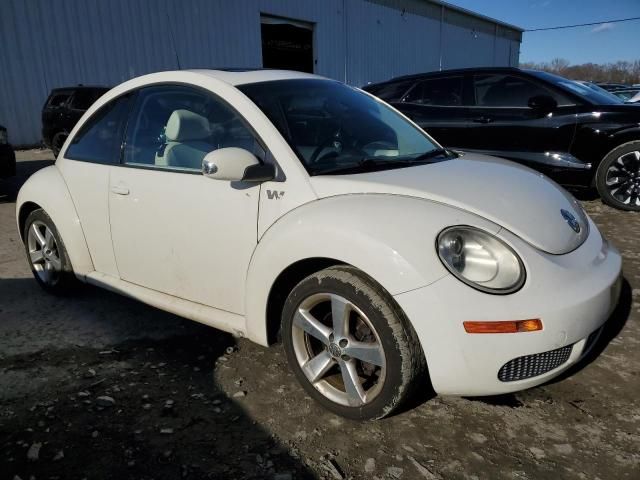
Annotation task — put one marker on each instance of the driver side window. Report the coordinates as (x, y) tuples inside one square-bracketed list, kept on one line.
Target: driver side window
[(174, 127)]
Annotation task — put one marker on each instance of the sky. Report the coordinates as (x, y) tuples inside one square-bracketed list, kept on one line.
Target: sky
[(602, 43)]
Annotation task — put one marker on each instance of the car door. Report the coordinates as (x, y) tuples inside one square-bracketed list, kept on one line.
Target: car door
[(174, 230), (503, 123), (85, 166), (438, 106)]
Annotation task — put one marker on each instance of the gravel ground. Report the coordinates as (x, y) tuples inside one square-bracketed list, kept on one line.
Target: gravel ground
[(100, 386)]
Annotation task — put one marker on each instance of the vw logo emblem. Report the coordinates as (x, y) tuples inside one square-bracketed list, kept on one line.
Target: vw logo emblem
[(571, 220), (335, 350)]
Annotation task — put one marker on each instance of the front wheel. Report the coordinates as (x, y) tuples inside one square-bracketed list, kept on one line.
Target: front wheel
[(47, 255), (618, 177), (349, 345)]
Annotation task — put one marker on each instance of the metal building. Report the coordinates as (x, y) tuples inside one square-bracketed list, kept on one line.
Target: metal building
[(56, 43)]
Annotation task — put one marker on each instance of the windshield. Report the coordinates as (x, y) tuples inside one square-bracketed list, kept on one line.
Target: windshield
[(585, 92), (337, 129)]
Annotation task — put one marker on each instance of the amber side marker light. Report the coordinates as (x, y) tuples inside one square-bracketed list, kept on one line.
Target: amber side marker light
[(509, 326)]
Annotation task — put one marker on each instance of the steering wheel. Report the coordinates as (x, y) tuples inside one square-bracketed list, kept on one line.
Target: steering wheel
[(336, 143), (328, 142)]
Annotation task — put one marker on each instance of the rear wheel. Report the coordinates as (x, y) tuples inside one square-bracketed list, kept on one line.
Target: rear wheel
[(47, 255), (349, 345), (618, 177)]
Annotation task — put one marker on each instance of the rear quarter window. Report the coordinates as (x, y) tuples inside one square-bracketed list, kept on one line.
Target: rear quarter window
[(100, 138)]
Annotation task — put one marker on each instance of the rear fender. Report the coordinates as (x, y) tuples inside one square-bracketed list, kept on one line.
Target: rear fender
[(47, 189)]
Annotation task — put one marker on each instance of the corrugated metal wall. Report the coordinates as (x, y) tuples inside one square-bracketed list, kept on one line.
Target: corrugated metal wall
[(55, 43)]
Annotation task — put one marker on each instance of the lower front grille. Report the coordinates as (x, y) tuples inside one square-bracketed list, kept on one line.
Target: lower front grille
[(530, 366)]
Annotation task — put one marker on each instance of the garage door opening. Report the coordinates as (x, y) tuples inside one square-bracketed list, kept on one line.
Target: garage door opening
[(287, 44)]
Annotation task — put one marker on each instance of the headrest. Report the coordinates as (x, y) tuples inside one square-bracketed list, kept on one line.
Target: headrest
[(184, 125)]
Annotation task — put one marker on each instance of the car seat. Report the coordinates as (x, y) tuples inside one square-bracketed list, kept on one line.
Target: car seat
[(187, 134)]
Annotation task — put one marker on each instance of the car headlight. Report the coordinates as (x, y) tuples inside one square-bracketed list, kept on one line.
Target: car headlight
[(4, 138), (480, 260)]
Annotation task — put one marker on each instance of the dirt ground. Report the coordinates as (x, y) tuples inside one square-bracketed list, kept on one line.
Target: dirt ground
[(187, 401)]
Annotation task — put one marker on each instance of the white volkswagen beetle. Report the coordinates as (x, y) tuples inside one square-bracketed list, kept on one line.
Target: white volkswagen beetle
[(277, 204)]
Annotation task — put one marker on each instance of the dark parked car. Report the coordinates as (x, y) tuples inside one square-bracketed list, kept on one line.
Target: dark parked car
[(612, 87), (7, 156), (628, 95), (578, 136), (63, 109)]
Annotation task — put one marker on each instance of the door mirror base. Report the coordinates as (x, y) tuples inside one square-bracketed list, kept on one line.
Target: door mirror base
[(259, 173)]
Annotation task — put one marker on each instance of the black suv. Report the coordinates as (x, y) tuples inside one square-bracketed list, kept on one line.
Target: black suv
[(63, 109), (576, 135)]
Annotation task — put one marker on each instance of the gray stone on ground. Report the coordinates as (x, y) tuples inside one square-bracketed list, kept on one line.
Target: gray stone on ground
[(105, 401), (370, 465), (33, 454)]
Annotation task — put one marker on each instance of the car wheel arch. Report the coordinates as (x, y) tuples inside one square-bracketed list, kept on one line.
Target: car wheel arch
[(620, 138), (284, 283), (47, 190), (616, 141), (25, 209), (342, 230), (268, 287)]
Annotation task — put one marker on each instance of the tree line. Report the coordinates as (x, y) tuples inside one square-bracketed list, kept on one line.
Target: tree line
[(616, 72)]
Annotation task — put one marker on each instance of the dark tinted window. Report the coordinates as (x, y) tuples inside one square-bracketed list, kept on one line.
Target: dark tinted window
[(437, 91), (58, 99), (599, 97), (83, 99), (175, 127), (389, 92), (499, 90), (100, 137)]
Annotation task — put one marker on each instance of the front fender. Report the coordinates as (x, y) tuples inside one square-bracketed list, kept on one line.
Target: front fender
[(389, 237), (47, 189), (624, 135)]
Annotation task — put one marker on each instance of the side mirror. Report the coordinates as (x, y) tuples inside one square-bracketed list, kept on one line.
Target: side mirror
[(542, 103), (236, 165)]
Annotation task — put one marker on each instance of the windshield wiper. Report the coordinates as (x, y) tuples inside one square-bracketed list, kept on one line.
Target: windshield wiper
[(372, 163), (435, 153)]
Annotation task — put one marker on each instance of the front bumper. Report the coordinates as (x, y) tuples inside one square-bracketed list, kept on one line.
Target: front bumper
[(573, 295)]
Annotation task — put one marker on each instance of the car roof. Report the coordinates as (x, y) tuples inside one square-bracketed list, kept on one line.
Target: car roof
[(438, 73), (238, 76), (79, 87)]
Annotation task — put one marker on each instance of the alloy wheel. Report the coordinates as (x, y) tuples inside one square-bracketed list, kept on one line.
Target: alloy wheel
[(623, 179), (43, 253), (338, 349)]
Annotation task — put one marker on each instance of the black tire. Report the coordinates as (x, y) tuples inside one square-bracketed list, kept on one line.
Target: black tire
[(405, 365), (625, 161), (57, 142), (60, 281)]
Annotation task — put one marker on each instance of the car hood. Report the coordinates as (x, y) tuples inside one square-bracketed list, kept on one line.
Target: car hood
[(517, 198)]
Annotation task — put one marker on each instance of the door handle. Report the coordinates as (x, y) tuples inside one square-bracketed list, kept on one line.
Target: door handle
[(483, 119), (120, 190)]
